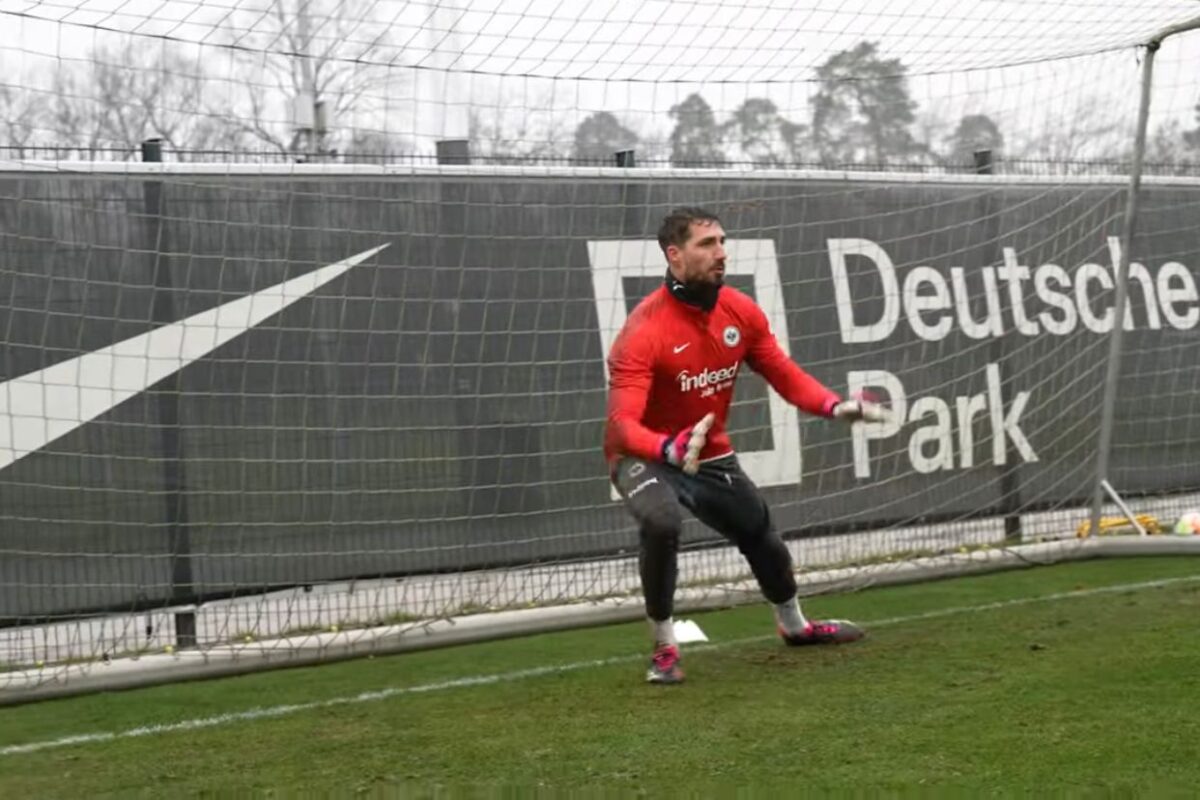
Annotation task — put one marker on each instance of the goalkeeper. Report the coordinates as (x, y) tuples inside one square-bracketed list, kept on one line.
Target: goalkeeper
[(671, 374)]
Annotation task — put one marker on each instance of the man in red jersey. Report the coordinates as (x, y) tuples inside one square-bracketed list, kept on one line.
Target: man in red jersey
[(671, 374)]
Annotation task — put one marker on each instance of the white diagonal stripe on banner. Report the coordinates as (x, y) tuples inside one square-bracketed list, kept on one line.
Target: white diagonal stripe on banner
[(37, 408)]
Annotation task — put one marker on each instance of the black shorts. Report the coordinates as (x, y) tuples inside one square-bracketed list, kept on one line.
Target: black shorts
[(720, 495)]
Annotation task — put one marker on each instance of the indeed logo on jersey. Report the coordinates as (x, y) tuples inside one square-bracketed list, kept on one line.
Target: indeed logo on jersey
[(709, 381)]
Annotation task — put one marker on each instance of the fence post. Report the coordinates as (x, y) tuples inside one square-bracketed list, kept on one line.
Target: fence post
[(633, 199), (983, 162), (162, 312), (453, 151), (1010, 484)]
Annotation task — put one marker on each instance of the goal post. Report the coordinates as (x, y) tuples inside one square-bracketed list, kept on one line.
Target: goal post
[(269, 403)]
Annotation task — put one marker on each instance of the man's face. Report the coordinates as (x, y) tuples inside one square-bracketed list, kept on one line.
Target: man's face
[(701, 259)]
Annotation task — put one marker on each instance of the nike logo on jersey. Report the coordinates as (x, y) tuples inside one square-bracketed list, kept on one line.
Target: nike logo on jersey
[(679, 348), (39, 407)]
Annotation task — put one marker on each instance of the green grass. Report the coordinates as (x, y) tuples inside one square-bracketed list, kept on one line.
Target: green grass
[(1078, 694)]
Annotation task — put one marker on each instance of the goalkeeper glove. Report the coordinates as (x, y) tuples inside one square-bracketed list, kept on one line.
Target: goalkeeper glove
[(861, 409), (683, 449)]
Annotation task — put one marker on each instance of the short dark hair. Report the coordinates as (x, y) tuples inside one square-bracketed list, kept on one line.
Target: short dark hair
[(676, 226)]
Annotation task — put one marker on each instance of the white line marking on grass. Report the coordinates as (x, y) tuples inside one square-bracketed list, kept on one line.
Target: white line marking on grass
[(517, 675), (280, 711)]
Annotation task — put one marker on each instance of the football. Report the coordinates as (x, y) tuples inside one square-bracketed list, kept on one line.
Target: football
[(1189, 523)]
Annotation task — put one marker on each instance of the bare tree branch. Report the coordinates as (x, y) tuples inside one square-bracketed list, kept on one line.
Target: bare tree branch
[(303, 45)]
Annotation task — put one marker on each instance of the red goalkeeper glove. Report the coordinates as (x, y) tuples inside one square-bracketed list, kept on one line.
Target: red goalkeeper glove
[(683, 449)]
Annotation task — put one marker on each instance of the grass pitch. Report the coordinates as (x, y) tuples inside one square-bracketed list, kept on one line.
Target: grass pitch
[(1075, 677)]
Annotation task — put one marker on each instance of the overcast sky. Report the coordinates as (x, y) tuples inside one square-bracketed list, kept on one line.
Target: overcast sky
[(1022, 61)]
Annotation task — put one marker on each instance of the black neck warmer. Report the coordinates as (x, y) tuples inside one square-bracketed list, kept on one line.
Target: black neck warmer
[(700, 295)]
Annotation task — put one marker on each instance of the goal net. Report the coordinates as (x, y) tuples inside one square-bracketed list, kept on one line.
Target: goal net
[(305, 307)]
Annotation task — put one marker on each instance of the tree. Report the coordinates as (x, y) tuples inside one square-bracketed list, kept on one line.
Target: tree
[(1191, 139), (518, 132), (374, 147), (316, 64), (974, 132), (1169, 144), (862, 111), (1166, 149), (762, 136), (22, 115), (930, 128), (75, 118), (1077, 131), (695, 141), (599, 136), (129, 93), (654, 144)]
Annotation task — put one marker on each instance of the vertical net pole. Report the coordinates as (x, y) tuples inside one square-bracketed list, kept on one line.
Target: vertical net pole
[(1113, 370)]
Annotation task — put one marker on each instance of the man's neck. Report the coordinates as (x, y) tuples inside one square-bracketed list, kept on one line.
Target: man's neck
[(700, 295)]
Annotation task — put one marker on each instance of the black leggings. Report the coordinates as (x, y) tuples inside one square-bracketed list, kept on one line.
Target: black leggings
[(721, 496)]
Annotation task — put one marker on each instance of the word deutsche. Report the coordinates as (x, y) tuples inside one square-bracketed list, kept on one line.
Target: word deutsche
[(933, 306)]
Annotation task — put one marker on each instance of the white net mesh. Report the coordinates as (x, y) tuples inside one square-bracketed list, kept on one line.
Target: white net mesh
[(747, 82), (348, 371)]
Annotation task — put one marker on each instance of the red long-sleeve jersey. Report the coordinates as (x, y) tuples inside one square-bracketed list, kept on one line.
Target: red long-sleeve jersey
[(673, 363)]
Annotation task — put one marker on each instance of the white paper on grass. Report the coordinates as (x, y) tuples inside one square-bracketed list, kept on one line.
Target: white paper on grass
[(687, 630)]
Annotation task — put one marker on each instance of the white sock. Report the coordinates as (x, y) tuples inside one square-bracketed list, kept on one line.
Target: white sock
[(789, 616), (663, 631)]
